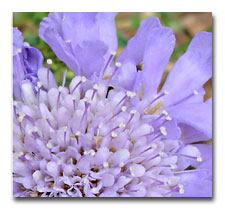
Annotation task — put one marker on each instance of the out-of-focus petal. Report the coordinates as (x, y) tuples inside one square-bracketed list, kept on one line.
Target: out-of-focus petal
[(90, 26), (107, 29), (190, 134), (127, 76), (191, 71), (195, 185), (17, 41), (26, 62), (206, 154), (33, 58), (18, 68), (18, 76), (51, 32), (134, 50), (159, 48), (197, 115), (66, 32), (90, 56)]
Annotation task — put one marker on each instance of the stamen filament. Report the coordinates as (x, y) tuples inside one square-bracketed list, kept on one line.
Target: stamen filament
[(64, 78), (158, 97), (112, 54), (184, 99), (49, 123), (49, 62)]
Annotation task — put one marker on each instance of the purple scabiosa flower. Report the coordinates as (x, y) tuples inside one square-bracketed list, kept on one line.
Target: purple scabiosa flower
[(90, 140)]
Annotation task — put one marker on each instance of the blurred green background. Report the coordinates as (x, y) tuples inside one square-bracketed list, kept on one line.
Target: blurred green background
[(184, 25)]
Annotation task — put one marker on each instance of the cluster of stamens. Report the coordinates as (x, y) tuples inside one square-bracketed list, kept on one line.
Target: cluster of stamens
[(83, 141)]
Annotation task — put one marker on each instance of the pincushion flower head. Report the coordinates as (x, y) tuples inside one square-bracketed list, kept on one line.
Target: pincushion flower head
[(110, 133)]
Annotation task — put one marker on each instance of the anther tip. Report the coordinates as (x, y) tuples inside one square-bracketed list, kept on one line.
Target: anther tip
[(49, 61), (118, 64), (83, 79), (113, 53)]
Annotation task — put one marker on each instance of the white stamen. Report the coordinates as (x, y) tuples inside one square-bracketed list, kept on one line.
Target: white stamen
[(26, 44), (123, 108), (49, 61), (130, 94), (164, 112), (31, 130), (87, 100), (45, 117), (21, 116), (86, 152), (121, 164), (59, 162), (195, 92), (70, 168), (95, 86), (132, 171), (181, 186), (74, 97), (60, 88), (122, 125), (113, 134), (163, 130), (18, 154), (118, 64), (112, 52), (19, 50), (68, 41), (161, 153), (83, 79), (173, 166), (28, 157), (181, 189), (100, 125), (49, 145), (78, 133), (199, 159), (65, 128), (86, 180), (168, 182), (168, 118), (105, 164), (165, 92), (41, 189), (133, 111), (133, 94), (94, 190), (39, 84), (154, 146), (92, 152)]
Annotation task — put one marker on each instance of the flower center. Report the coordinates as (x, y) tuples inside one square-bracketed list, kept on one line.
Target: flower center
[(85, 141)]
